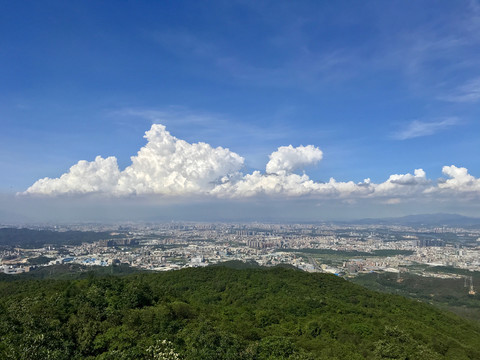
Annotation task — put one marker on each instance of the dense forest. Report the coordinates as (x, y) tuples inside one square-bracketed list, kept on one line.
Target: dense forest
[(447, 293), (27, 238), (222, 313)]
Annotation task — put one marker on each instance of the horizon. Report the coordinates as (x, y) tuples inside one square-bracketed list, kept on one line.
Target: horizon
[(412, 220)]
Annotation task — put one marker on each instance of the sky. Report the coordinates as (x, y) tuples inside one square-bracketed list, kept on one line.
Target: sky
[(238, 110)]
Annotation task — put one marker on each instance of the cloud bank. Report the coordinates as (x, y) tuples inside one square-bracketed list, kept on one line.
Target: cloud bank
[(173, 167)]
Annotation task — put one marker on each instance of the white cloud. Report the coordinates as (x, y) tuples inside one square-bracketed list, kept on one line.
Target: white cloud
[(288, 159), (100, 175), (459, 180), (418, 177), (172, 167), (165, 165), (290, 185), (393, 201), (419, 128), (466, 93), (403, 184)]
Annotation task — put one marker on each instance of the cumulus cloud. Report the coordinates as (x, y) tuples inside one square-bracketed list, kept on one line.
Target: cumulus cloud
[(288, 159), (165, 165), (172, 167), (403, 184), (100, 175), (459, 180), (290, 185)]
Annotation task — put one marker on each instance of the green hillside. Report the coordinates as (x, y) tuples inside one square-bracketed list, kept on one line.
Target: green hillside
[(28, 238), (223, 313), (450, 293)]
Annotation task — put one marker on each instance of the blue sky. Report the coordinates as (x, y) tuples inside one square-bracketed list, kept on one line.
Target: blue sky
[(379, 87)]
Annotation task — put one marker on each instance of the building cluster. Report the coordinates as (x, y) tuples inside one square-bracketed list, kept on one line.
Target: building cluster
[(342, 250)]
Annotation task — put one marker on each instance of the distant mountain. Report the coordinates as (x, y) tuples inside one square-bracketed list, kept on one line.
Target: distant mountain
[(439, 219)]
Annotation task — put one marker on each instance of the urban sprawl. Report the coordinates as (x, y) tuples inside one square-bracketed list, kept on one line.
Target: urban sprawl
[(345, 250)]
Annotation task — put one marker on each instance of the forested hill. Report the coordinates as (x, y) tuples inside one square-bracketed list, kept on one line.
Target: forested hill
[(28, 238), (223, 313)]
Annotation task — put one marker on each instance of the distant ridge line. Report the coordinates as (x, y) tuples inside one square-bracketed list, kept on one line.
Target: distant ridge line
[(438, 219)]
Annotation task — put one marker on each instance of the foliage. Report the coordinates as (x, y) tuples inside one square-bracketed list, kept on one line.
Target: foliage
[(222, 313), (351, 253), (450, 293), (343, 253), (39, 260), (71, 271), (239, 265), (27, 238), (391, 252)]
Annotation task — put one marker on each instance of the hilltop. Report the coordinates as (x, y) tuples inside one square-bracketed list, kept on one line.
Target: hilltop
[(223, 313)]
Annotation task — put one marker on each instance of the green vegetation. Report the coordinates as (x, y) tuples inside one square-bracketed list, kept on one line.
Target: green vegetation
[(39, 260), (170, 246), (341, 253), (386, 253), (451, 270), (347, 254), (29, 239), (240, 265), (222, 313), (451, 293), (71, 272)]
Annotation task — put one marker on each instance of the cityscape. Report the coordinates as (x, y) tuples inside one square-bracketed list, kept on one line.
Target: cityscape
[(344, 250)]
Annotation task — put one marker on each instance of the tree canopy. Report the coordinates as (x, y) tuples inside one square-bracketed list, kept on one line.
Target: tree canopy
[(223, 313)]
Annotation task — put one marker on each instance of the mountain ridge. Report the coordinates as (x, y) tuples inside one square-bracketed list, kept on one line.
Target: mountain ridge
[(435, 219), (224, 313)]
